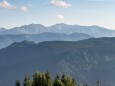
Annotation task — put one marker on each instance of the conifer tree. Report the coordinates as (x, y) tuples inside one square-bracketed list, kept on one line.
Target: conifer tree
[(98, 83), (57, 81), (48, 78), (73, 83), (44, 81), (68, 81), (37, 79), (80, 84), (63, 79), (86, 84), (17, 83), (27, 82)]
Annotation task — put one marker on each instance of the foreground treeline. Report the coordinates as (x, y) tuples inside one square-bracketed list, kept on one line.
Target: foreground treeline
[(44, 79)]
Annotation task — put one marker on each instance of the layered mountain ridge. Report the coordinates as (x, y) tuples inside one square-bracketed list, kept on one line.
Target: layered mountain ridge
[(6, 40), (86, 60), (95, 31)]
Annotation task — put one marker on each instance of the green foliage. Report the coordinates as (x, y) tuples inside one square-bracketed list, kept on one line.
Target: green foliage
[(27, 82), (98, 83), (17, 83), (48, 79), (80, 84), (68, 81), (86, 84), (57, 81), (37, 79), (73, 83), (44, 79), (41, 79)]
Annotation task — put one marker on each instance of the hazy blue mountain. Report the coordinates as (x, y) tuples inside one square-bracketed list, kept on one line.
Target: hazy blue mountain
[(6, 40), (91, 30), (61, 28), (86, 60), (26, 29), (2, 29)]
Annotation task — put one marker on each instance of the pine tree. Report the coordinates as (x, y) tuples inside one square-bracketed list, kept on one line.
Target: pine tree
[(27, 82), (48, 78), (98, 83), (73, 83), (44, 81), (57, 81), (68, 81), (37, 79), (86, 84), (17, 83), (63, 79), (80, 84), (47, 74)]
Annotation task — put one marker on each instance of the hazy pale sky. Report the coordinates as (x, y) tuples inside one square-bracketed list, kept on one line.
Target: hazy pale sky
[(48, 12)]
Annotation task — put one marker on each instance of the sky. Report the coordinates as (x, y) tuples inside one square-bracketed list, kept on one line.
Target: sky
[(15, 13)]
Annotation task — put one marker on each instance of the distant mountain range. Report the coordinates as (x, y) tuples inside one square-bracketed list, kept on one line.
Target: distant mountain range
[(95, 31), (6, 40), (86, 60)]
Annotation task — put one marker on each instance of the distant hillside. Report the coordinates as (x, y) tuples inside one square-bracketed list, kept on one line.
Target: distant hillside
[(6, 40), (2, 29), (86, 60), (95, 31)]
